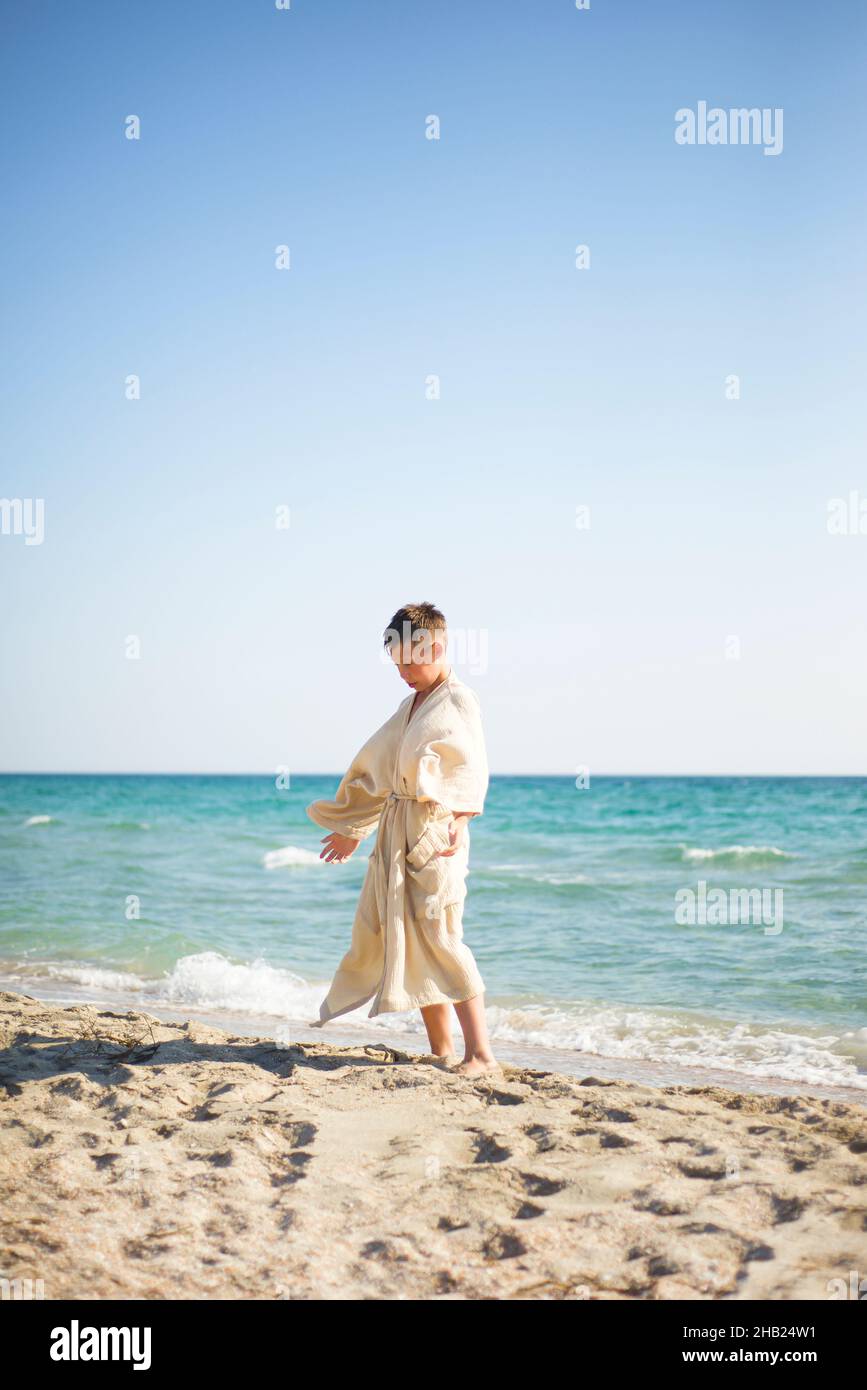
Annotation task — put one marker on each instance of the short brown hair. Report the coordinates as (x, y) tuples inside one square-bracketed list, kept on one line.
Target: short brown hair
[(410, 619)]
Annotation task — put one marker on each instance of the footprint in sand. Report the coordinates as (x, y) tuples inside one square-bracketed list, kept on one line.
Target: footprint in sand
[(504, 1098), (489, 1149), (503, 1245), (543, 1137), (527, 1211), (538, 1186), (713, 1171)]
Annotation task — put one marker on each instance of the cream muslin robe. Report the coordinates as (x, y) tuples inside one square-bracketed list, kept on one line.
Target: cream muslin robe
[(407, 946)]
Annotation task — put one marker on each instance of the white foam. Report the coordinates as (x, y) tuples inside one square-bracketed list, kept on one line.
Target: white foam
[(290, 858), (740, 854), (204, 980), (39, 820), (208, 980), (691, 1040), (96, 977)]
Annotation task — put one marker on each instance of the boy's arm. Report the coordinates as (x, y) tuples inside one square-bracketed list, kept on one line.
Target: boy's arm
[(455, 775), (454, 771), (356, 808)]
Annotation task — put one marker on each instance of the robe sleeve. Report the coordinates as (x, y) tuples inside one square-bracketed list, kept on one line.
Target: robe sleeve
[(357, 805), (453, 772)]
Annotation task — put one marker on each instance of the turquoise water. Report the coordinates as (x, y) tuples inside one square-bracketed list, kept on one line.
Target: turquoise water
[(570, 911)]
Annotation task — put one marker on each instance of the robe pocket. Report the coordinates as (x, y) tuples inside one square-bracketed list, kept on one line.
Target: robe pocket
[(441, 882), (434, 837)]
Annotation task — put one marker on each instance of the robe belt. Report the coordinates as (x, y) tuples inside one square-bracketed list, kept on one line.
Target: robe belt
[(389, 886)]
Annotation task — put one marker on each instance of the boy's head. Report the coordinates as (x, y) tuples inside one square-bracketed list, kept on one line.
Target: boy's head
[(416, 641)]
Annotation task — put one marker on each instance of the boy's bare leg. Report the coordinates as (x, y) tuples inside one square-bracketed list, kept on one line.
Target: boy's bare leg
[(438, 1022), (478, 1057)]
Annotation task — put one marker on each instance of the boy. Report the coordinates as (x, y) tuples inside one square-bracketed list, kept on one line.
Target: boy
[(418, 780)]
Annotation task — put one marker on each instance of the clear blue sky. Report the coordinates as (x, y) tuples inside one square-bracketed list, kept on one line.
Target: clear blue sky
[(412, 257)]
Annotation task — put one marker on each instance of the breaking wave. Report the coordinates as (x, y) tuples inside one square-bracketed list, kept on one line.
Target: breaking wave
[(735, 854), (290, 857)]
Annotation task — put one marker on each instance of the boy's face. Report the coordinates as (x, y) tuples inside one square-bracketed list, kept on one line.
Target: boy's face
[(419, 660)]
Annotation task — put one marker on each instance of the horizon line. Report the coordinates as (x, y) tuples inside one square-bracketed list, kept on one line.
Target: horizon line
[(565, 776)]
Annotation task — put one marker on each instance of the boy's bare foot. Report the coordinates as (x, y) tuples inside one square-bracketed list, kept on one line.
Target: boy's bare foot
[(476, 1066), (449, 1060)]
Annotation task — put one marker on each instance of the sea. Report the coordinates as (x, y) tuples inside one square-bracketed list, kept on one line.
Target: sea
[(669, 930)]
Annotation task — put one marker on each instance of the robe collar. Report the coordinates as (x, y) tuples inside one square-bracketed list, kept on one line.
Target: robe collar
[(443, 685)]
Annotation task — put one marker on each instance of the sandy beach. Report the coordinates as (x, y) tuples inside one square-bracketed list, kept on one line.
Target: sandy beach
[(142, 1159)]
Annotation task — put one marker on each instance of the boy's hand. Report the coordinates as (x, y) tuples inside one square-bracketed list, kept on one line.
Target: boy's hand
[(457, 830), (338, 848)]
